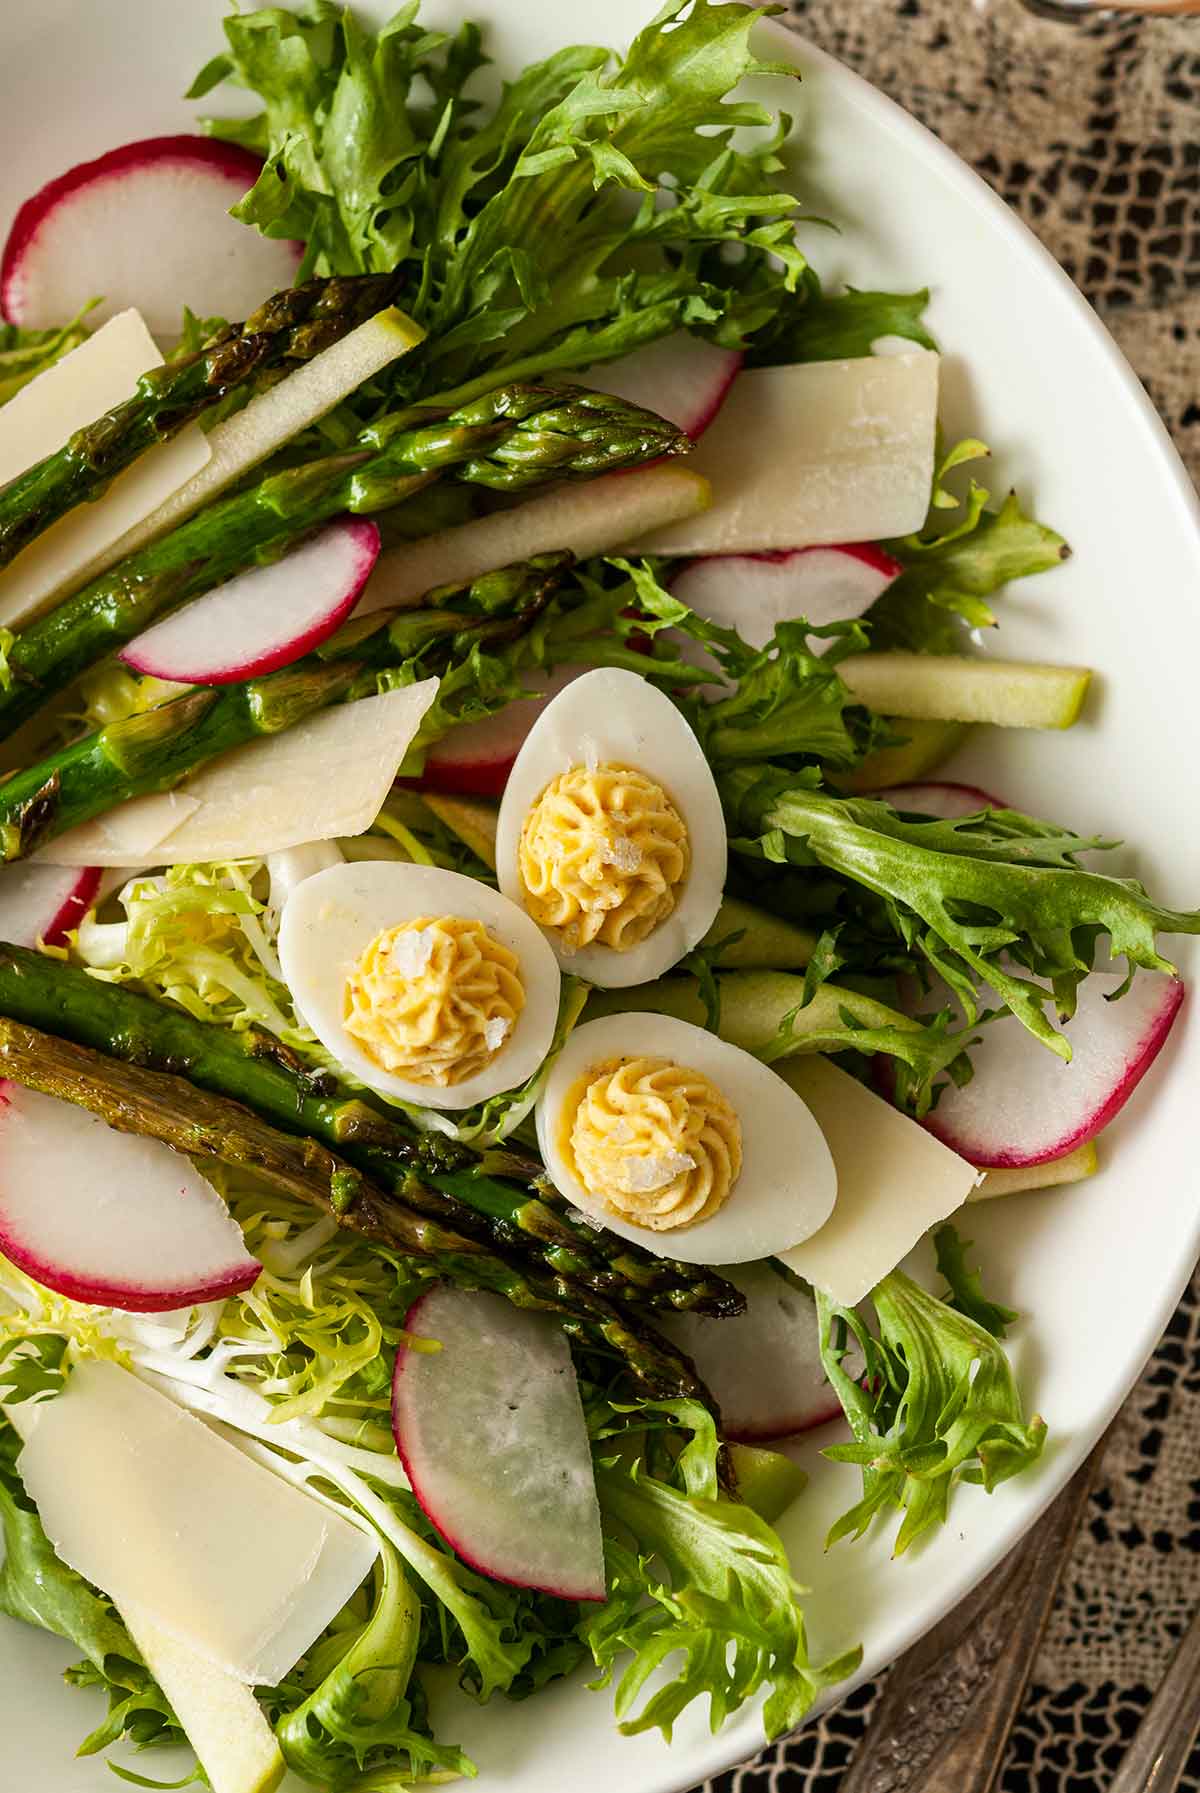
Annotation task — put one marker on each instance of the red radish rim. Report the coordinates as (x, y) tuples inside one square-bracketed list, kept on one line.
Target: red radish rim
[(229, 159), (74, 907), (127, 1300), (771, 1434), (720, 393), (870, 553), (477, 778), (985, 799), (460, 1549), (367, 542), (1144, 1051)]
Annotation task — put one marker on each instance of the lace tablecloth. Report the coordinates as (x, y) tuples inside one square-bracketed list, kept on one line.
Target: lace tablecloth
[(1092, 133)]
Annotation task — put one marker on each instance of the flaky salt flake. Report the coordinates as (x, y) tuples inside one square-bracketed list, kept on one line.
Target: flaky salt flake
[(643, 1175), (622, 853), (411, 952), (495, 1031)]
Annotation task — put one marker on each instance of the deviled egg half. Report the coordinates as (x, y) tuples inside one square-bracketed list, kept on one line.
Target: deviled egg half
[(610, 832), (682, 1143), (423, 984)]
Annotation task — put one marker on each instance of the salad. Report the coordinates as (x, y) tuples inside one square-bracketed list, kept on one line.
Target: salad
[(492, 985)]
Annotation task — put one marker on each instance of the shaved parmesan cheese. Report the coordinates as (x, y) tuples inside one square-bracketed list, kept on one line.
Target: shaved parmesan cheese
[(828, 451), (93, 378), (891, 1187), (588, 519), (268, 421), (221, 1718), (220, 1554), (99, 374), (324, 778), (123, 836)]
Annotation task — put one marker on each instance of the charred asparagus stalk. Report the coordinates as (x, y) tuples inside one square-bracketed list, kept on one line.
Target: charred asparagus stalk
[(154, 751), (293, 326), (515, 437), (446, 1182), (161, 1105)]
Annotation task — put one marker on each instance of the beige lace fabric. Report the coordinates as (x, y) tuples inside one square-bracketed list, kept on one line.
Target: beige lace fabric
[(1091, 131)]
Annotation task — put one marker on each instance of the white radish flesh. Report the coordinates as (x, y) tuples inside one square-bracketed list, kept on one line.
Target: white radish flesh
[(754, 593), (108, 1218), (681, 377), (763, 1366), (824, 452), (589, 519), (44, 902), (475, 759), (148, 225), (266, 617), (1024, 1106), (491, 1432)]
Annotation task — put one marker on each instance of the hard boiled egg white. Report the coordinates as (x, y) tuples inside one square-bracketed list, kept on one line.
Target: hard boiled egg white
[(788, 1184), (612, 717), (331, 917)]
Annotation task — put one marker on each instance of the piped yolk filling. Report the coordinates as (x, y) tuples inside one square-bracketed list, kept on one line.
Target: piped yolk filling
[(434, 1000), (602, 856), (656, 1142)]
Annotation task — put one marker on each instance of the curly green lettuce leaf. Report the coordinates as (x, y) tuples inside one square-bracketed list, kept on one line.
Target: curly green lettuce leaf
[(840, 326), (200, 937), (701, 1584), (351, 1714), (593, 211), (965, 1292), (37, 1588), (24, 354), (951, 567), (979, 898), (938, 1404)]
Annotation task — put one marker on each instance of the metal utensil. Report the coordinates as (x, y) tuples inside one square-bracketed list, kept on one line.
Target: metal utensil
[(950, 1703), (1069, 11), (1159, 1753)]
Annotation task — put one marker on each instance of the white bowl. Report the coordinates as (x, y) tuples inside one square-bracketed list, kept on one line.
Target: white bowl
[(1097, 1268)]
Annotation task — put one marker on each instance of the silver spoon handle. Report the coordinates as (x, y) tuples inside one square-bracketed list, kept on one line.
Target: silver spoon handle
[(1158, 1755)]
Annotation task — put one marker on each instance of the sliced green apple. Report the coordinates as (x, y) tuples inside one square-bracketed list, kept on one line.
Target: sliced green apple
[(766, 940), (768, 1482), (225, 1724), (754, 1006), (1072, 1167), (922, 747), (959, 688)]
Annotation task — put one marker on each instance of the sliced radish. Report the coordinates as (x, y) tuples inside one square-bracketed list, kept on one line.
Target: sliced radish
[(44, 902), (490, 1429), (945, 801), (265, 618), (108, 1218), (681, 377), (147, 225), (1024, 1106), (475, 759), (753, 593), (764, 1366)]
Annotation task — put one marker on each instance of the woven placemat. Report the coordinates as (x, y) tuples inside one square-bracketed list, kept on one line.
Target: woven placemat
[(1091, 131)]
